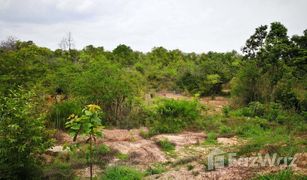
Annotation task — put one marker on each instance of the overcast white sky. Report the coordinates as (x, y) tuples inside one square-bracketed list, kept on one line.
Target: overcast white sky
[(189, 25)]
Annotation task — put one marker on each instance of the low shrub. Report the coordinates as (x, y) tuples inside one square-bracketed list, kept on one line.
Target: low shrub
[(252, 127), (226, 110), (172, 116), (166, 145), (211, 123), (121, 173), (155, 169), (225, 129), (101, 149), (254, 109), (211, 138)]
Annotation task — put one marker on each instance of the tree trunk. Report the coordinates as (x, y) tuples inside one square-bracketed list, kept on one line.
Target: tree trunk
[(91, 164)]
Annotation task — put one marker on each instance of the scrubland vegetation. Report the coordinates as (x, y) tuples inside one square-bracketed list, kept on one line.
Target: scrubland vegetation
[(44, 91)]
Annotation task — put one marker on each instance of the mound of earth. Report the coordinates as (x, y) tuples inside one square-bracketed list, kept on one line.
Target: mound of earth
[(141, 152), (145, 151)]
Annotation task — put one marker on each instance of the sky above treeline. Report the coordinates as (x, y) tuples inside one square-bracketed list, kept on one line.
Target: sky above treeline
[(188, 25)]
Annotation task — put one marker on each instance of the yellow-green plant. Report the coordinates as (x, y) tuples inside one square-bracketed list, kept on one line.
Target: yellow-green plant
[(88, 124)]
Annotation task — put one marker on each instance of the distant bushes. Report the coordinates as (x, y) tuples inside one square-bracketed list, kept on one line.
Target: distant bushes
[(209, 74), (271, 111), (171, 116)]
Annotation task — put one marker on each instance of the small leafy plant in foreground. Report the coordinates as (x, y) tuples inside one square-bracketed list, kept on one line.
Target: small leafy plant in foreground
[(121, 173), (89, 124)]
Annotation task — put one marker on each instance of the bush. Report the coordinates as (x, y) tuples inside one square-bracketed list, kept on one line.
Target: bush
[(254, 109), (173, 116), (252, 126), (121, 173), (155, 169), (273, 112), (101, 149), (211, 138), (23, 137), (226, 110), (59, 113), (166, 145), (225, 130), (211, 123)]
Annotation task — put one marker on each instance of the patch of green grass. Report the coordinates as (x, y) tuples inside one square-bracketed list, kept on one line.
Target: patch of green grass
[(225, 129), (166, 145), (211, 123), (211, 138), (101, 149), (155, 169), (226, 111), (122, 156), (58, 169), (281, 175), (275, 140), (121, 173)]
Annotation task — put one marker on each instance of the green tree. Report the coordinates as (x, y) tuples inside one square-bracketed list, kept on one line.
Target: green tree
[(279, 68), (124, 55), (24, 65), (109, 86)]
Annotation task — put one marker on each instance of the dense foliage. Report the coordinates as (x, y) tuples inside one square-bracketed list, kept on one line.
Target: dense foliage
[(22, 137), (274, 69), (171, 116)]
